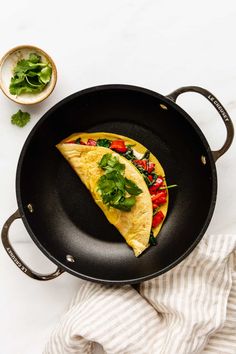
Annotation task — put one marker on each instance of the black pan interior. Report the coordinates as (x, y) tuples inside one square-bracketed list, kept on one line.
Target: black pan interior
[(65, 218)]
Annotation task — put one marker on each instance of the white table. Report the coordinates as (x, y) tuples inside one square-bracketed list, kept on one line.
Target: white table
[(155, 44)]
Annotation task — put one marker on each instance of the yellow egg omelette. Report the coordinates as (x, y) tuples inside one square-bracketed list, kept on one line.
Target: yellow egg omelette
[(140, 196)]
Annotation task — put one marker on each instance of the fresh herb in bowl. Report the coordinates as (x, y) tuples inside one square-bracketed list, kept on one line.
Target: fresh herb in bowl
[(30, 75)]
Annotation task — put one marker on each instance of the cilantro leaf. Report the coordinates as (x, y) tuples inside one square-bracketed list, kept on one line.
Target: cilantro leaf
[(34, 58), (30, 75), (116, 190), (20, 118), (21, 67), (110, 163), (45, 74), (33, 82), (125, 204), (131, 187)]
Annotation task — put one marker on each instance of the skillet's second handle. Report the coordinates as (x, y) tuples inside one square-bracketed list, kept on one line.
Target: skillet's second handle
[(218, 106), (13, 255)]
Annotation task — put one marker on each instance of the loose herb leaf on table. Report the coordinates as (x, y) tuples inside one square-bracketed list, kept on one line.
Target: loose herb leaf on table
[(20, 118)]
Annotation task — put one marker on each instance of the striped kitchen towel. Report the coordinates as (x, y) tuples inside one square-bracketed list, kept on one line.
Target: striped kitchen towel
[(190, 309)]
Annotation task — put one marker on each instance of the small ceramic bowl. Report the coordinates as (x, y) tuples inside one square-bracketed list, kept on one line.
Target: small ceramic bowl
[(7, 64)]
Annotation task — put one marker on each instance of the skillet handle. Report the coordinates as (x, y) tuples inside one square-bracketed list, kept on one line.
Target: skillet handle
[(15, 258), (218, 106)]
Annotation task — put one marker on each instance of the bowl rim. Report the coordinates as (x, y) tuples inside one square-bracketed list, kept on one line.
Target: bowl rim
[(48, 57)]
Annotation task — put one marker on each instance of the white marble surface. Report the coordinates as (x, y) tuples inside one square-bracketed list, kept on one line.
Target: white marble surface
[(151, 43)]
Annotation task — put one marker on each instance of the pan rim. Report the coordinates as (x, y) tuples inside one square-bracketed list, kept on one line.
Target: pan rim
[(130, 88)]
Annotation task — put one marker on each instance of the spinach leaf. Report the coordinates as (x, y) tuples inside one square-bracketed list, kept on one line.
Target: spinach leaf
[(129, 154), (104, 142), (146, 155), (152, 239)]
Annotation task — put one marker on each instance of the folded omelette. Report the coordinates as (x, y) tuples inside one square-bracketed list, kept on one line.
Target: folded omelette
[(126, 181)]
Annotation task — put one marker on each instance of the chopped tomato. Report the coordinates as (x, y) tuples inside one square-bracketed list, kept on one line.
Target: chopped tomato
[(150, 178), (136, 162), (91, 142), (157, 219), (150, 167), (145, 164), (142, 163), (153, 189), (118, 145), (154, 206), (159, 198)]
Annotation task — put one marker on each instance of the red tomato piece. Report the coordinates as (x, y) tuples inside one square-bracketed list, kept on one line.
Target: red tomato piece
[(138, 162), (91, 142), (157, 219), (142, 163), (118, 145), (159, 198), (145, 164), (150, 167), (153, 189)]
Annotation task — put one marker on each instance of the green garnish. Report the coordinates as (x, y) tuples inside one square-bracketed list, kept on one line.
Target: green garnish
[(170, 186), (129, 154), (116, 190), (34, 58), (20, 118), (155, 211), (141, 170), (152, 239), (30, 75), (131, 187), (104, 142), (110, 163), (146, 155), (154, 176), (146, 179), (125, 204)]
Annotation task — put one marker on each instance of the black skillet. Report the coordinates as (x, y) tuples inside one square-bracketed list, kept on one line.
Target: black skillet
[(58, 211)]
